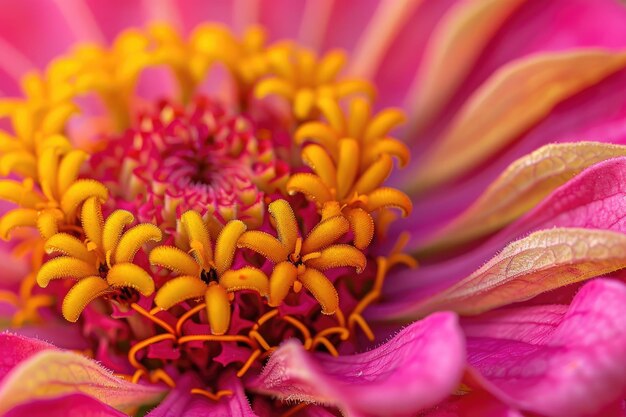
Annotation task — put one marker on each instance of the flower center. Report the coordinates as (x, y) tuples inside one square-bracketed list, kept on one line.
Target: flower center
[(204, 233)]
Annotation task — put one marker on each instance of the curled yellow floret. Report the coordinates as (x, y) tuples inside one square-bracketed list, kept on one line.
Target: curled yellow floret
[(53, 196), (304, 80), (207, 271), (295, 257), (103, 262)]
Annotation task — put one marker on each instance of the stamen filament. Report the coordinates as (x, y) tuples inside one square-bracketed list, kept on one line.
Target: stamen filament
[(257, 336), (215, 338), (305, 332), (160, 375), (249, 363), (152, 318), (187, 315), (215, 397), (144, 343), (329, 346)]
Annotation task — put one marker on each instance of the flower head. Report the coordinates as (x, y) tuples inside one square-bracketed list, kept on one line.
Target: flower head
[(215, 213)]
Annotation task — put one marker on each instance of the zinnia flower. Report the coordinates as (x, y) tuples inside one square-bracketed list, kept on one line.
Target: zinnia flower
[(204, 201)]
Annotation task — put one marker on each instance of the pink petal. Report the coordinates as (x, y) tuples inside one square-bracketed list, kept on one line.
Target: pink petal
[(577, 357), (521, 187), (491, 119), (394, 69), (46, 35), (593, 199), (416, 369), (181, 403), (110, 17), (67, 405), (60, 333), (14, 349), (543, 261), (452, 51), (477, 403), (540, 26), (599, 113), (50, 373)]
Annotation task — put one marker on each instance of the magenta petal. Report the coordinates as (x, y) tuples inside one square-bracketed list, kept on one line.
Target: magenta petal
[(181, 403), (570, 364), (592, 199), (414, 370), (68, 405), (14, 349)]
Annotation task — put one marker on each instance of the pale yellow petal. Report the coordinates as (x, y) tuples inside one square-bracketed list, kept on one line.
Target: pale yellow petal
[(522, 186), (514, 99)]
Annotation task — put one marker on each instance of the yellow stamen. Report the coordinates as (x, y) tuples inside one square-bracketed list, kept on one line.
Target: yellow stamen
[(281, 281), (362, 226), (133, 239), (81, 294), (374, 176), (80, 191), (329, 346), (347, 166), (64, 267), (217, 308), (113, 227), (226, 245), (70, 246), (48, 222), (196, 230), (321, 288), (137, 375), (306, 334), (389, 197), (318, 159), (325, 233), (129, 275), (69, 169), (309, 185), (382, 123), (265, 244), (172, 258), (92, 221), (337, 256), (17, 218), (179, 289), (260, 339), (160, 375), (285, 223), (247, 278)]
